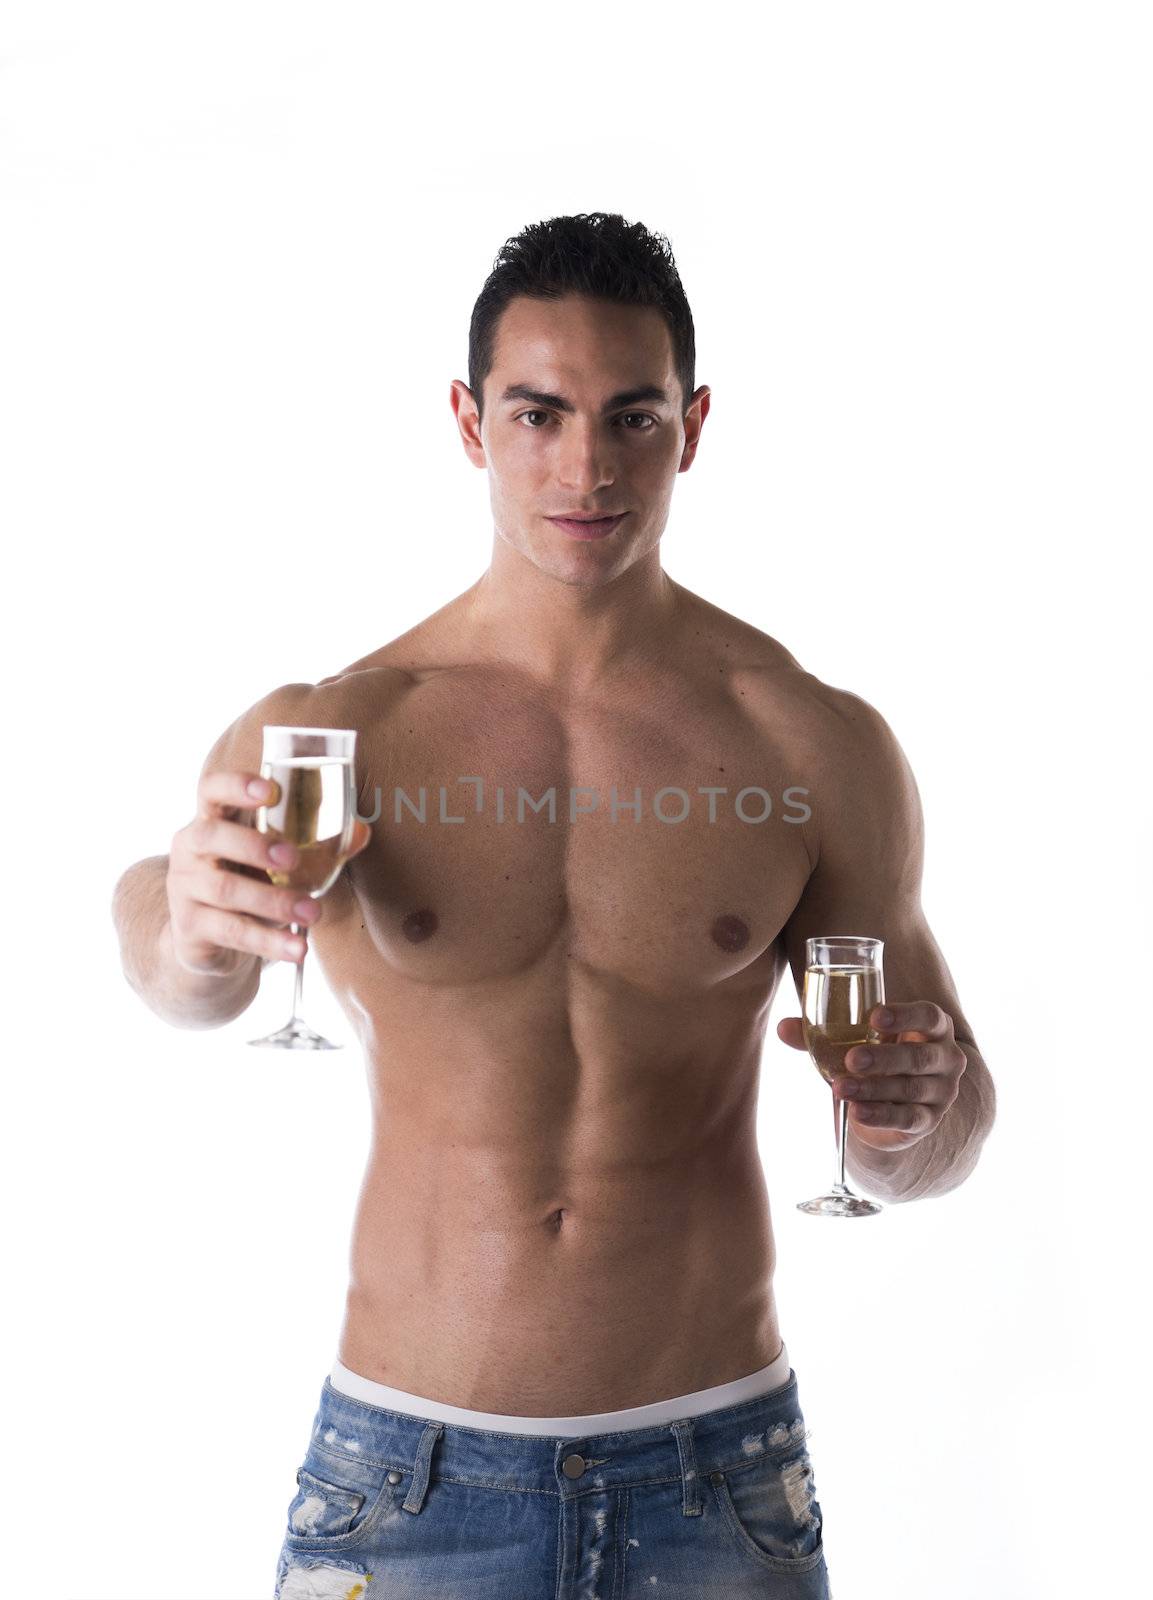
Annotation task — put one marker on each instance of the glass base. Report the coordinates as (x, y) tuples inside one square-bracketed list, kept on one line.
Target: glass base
[(840, 1203), (297, 1035)]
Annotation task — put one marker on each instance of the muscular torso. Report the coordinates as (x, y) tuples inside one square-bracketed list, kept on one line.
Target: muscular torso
[(564, 1208)]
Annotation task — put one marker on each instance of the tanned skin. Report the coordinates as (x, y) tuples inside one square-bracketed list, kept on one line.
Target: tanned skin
[(564, 1208)]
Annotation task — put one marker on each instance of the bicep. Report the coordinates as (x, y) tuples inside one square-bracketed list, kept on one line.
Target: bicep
[(870, 859)]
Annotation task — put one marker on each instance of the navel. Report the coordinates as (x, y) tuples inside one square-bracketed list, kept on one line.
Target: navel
[(419, 926), (730, 932)]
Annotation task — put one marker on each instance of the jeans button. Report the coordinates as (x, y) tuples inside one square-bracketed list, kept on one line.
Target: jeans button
[(394, 1477), (573, 1466)]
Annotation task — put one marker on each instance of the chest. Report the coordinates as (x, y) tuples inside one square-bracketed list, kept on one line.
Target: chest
[(654, 838)]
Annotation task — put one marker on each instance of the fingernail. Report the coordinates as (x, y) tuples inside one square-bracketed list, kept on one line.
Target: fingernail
[(884, 1017), (304, 908), (863, 1059), (284, 855), (258, 788)]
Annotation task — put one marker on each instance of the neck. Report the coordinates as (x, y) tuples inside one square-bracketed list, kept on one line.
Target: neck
[(569, 635)]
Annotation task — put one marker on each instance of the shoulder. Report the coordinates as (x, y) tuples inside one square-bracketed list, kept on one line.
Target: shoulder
[(848, 719), (238, 747), (858, 754), (862, 742), (832, 727), (362, 695), (866, 805), (363, 687), (843, 752), (354, 697), (706, 631), (826, 721)]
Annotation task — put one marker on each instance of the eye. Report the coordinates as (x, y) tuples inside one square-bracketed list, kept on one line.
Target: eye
[(652, 421)]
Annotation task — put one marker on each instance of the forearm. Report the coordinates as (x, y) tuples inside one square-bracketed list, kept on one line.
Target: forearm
[(944, 1158), (184, 999)]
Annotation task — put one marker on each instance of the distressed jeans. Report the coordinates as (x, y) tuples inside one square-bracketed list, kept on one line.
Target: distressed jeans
[(395, 1506)]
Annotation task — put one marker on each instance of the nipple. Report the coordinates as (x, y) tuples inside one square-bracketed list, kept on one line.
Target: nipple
[(730, 932), (419, 926)]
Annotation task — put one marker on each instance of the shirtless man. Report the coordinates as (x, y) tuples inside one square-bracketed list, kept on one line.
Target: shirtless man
[(560, 1371)]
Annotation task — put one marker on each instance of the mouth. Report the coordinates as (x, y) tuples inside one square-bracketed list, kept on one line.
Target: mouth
[(589, 528)]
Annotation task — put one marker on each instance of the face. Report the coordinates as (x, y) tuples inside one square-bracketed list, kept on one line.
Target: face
[(580, 436)]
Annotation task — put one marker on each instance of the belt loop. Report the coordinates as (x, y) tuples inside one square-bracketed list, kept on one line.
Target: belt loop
[(690, 1478), (420, 1472)]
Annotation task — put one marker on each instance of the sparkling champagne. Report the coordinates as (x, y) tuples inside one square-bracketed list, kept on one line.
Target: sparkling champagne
[(836, 1005), (314, 810)]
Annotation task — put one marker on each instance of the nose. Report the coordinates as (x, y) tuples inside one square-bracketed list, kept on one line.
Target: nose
[(586, 462)]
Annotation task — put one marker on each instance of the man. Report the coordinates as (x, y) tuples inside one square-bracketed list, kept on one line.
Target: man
[(560, 1371)]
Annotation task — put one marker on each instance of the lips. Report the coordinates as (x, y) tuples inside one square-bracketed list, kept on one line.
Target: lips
[(599, 528)]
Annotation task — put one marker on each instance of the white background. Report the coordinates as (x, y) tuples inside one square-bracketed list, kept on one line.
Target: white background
[(241, 247)]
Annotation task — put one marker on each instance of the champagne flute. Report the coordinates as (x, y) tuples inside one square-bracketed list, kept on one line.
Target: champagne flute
[(844, 980), (315, 810)]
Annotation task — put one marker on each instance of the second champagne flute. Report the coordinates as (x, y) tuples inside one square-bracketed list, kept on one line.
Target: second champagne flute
[(844, 980)]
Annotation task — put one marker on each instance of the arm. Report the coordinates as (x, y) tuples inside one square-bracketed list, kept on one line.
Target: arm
[(183, 998), (215, 980), (869, 837)]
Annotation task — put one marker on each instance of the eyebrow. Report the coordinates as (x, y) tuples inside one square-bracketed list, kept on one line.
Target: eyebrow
[(556, 402)]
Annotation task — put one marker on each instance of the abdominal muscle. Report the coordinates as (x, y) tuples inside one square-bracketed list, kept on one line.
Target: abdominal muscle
[(542, 1232), (564, 1209)]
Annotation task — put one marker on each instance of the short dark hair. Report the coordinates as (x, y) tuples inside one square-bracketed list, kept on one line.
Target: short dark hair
[(594, 253)]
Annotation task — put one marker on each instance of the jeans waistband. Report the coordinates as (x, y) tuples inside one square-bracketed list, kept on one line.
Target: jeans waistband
[(567, 1463)]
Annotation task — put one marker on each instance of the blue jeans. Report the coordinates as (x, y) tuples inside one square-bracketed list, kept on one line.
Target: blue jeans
[(391, 1506)]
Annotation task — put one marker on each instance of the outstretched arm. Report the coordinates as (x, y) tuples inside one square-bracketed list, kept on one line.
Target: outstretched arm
[(919, 1112)]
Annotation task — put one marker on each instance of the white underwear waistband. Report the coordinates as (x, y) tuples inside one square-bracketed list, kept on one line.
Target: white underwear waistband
[(734, 1393)]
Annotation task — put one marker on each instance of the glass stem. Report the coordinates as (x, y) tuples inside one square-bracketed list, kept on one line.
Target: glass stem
[(841, 1119), (301, 932)]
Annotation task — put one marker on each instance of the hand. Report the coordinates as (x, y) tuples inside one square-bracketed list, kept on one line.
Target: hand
[(222, 909), (913, 1079)]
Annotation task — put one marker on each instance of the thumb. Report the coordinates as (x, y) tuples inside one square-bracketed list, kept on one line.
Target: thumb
[(361, 834), (790, 1031)]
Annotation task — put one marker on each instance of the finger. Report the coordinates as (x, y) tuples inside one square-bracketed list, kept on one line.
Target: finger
[(219, 840), (900, 1117), (228, 931), (790, 1030), (943, 1056), (915, 1016), (903, 1090), (361, 834), (232, 891), (218, 792)]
